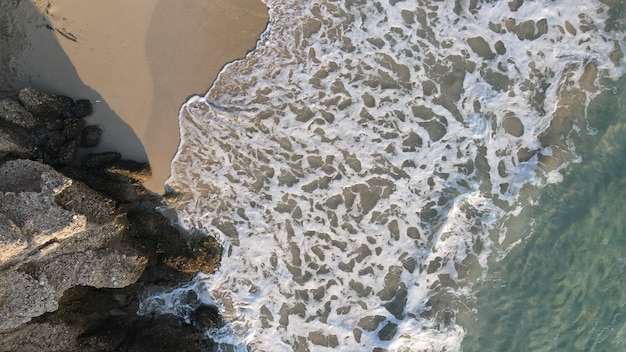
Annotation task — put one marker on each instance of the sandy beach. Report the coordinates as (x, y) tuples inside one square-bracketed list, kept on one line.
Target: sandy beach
[(138, 61)]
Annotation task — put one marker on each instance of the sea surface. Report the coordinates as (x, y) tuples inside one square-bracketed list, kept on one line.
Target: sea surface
[(413, 176)]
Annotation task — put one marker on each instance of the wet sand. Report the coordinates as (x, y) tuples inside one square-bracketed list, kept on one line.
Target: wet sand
[(138, 60)]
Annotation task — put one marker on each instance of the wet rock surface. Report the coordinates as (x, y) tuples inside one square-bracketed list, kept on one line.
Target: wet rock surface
[(82, 240), (90, 136)]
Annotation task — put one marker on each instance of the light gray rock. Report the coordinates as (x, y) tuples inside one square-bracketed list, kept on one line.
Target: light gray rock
[(13, 243), (100, 268), (48, 246), (33, 298), (24, 176), (28, 199)]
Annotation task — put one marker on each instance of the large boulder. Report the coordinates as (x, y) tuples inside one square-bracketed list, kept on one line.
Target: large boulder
[(54, 235)]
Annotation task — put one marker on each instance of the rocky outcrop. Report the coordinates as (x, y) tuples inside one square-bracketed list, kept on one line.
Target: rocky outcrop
[(81, 240)]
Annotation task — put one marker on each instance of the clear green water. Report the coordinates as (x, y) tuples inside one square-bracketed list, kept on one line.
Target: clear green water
[(564, 287)]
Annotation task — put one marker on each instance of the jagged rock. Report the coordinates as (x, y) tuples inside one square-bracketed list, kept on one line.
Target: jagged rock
[(99, 160), (90, 136), (39, 337), (39, 221), (13, 112), (47, 249), (79, 244), (112, 326), (24, 297)]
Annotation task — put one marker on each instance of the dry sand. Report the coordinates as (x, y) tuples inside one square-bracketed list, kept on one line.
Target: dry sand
[(138, 59)]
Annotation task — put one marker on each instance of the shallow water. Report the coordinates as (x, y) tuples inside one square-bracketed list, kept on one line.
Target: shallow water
[(360, 166), (564, 287)]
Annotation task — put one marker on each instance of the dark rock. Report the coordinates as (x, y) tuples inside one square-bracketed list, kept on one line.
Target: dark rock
[(122, 191), (56, 140), (205, 317), (90, 319), (156, 334), (32, 98), (82, 108), (13, 112), (73, 127), (67, 153), (90, 136), (55, 125), (46, 106), (100, 160), (388, 332), (130, 169)]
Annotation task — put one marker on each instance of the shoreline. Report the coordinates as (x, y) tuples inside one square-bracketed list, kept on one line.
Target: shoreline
[(139, 63)]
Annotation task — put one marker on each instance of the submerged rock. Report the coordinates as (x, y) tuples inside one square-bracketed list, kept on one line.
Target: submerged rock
[(82, 108), (90, 136)]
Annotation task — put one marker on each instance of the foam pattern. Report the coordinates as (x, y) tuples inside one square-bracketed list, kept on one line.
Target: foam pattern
[(356, 166)]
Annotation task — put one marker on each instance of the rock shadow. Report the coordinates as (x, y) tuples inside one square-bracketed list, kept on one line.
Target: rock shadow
[(33, 57)]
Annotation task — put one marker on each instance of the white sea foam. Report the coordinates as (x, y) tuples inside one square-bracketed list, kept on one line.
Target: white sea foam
[(356, 165)]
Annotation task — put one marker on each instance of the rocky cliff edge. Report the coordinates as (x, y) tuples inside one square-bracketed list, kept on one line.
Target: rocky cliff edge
[(81, 240)]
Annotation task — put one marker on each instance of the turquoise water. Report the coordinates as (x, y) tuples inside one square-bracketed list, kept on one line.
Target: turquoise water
[(564, 287)]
